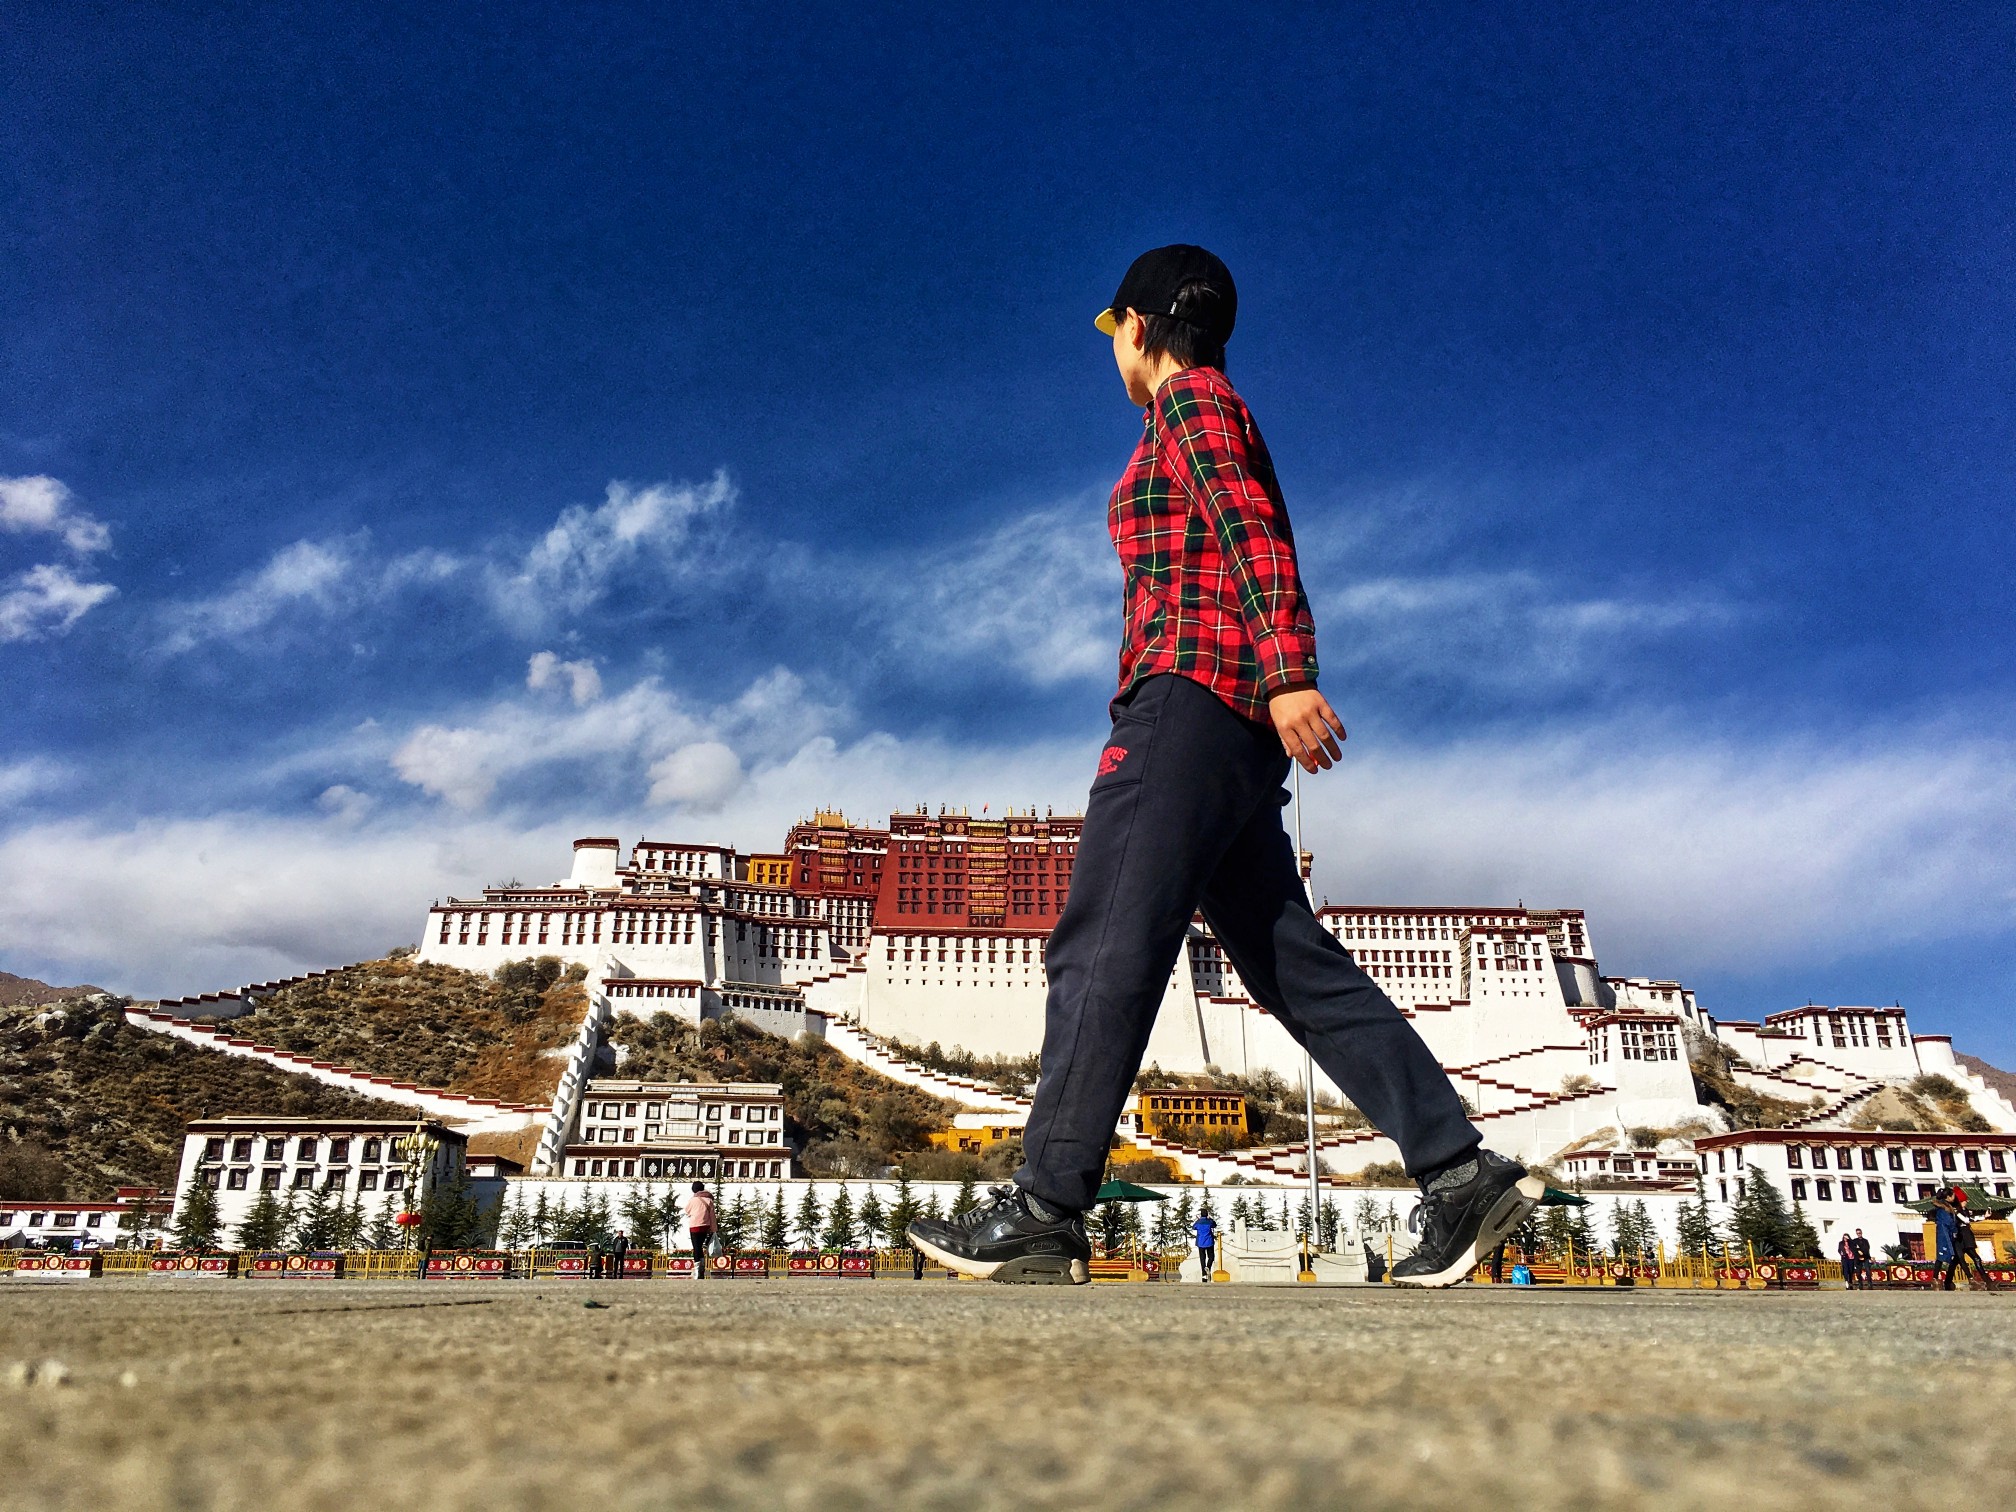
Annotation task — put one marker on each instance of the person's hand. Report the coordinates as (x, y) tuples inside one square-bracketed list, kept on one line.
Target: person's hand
[(1310, 730)]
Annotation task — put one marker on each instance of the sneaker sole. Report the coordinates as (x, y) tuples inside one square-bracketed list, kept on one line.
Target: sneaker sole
[(1506, 1214), (1023, 1270)]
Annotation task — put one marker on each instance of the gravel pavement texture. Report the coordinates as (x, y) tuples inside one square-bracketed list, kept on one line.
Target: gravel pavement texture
[(150, 1393)]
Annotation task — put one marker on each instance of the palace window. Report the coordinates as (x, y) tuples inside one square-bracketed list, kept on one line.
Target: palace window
[(1921, 1160), (395, 1181), (213, 1149), (269, 1181), (339, 1151), (1824, 1190), (1900, 1193), (1798, 1188), (1946, 1160), (238, 1180), (303, 1180), (1973, 1159), (241, 1149), (367, 1181), (1874, 1189), (1793, 1159)]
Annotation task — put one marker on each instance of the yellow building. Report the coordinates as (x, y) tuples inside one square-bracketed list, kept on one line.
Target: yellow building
[(1183, 1113), (770, 871), (977, 1140)]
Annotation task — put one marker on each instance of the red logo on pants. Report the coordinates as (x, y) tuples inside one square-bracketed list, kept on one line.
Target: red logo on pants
[(1110, 759)]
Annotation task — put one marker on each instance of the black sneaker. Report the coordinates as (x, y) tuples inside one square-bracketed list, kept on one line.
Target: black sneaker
[(1463, 1222), (1003, 1240)]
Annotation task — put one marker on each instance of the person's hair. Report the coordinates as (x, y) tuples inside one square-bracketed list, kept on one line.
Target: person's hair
[(699, 1186), (1186, 344)]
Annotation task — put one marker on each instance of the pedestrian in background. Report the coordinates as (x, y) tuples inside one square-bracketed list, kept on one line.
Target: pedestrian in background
[(1846, 1250), (700, 1227), (1863, 1261), (1205, 1232), (618, 1248)]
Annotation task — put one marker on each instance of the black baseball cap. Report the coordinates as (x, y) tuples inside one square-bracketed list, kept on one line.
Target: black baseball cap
[(1151, 284)]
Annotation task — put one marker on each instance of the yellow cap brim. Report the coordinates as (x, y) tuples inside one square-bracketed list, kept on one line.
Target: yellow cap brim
[(1106, 323)]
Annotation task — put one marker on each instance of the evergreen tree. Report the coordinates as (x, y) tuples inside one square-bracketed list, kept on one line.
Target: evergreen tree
[(196, 1222), (1556, 1229), (134, 1221), (964, 1200), (1205, 1207), (903, 1211), (1111, 1226), (1648, 1231), (1365, 1215), (640, 1216), (1302, 1218), (1759, 1219), (542, 1218), (672, 1210), (515, 1232), (776, 1227), (1696, 1228), (732, 1222), (809, 1215), (934, 1208), (1801, 1238), (315, 1227), (1623, 1230), (561, 1217), (1331, 1221), (383, 1234), (262, 1227), (350, 1224), (595, 1219), (839, 1230), (874, 1224), (1241, 1213), (1582, 1234), (449, 1216)]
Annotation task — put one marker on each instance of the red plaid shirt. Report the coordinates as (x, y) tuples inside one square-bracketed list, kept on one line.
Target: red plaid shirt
[(1212, 588)]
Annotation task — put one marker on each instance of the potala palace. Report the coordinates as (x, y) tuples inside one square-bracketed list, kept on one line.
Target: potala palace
[(932, 929)]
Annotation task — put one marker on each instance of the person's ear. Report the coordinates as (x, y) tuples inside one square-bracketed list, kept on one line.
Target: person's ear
[(1137, 329)]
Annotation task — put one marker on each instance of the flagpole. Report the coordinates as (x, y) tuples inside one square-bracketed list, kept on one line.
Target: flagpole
[(1308, 1061)]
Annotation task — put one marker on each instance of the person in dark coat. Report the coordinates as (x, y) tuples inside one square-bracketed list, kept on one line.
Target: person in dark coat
[(1864, 1259), (618, 1248)]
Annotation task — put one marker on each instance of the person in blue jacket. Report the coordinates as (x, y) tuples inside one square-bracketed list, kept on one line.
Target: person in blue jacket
[(1946, 1235), (1205, 1232)]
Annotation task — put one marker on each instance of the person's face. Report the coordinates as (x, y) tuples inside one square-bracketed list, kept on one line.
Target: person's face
[(1130, 334)]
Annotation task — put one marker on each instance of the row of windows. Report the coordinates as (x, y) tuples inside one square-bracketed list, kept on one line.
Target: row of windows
[(1823, 1190), (56, 1220), (575, 928), (674, 1167), (1797, 1157), (1032, 951), (306, 1147), (619, 1108), (238, 1178)]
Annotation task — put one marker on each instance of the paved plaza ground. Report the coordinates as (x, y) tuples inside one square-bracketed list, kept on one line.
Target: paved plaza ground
[(279, 1395)]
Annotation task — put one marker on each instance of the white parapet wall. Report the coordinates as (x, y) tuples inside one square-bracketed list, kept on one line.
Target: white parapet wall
[(472, 1115)]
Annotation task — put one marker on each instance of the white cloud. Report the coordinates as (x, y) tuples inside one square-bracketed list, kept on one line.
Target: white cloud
[(47, 600), (1688, 854), (546, 670), (574, 564), (1509, 629), (700, 776), (22, 780), (344, 803), (1039, 594), (44, 504), (308, 575)]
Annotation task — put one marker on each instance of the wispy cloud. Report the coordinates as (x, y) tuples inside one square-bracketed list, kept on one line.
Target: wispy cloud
[(46, 505), (22, 780), (1687, 854), (47, 600), (586, 551), (307, 576)]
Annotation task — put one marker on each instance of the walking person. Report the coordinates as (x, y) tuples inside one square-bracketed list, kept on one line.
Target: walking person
[(1205, 1232), (1864, 1261), (1966, 1247), (619, 1247), (1217, 696), (1846, 1250), (1945, 1237), (700, 1227)]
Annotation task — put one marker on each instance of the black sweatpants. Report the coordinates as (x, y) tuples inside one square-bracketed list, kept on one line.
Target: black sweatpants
[(1186, 814)]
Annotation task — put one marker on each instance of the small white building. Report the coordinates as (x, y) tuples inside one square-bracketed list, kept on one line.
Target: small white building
[(632, 1130), (382, 1162), (1852, 1178), (135, 1218)]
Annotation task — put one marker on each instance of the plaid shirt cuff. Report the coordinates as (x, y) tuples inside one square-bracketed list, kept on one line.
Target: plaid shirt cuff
[(1287, 660)]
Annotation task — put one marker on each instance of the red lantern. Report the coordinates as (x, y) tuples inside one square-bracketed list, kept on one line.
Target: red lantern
[(408, 1220)]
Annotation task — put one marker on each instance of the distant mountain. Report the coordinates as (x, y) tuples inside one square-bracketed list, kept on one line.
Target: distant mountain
[(2002, 1081), (26, 992)]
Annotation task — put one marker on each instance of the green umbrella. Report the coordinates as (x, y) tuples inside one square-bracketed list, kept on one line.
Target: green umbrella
[(1555, 1197), (1126, 1191), (1979, 1200)]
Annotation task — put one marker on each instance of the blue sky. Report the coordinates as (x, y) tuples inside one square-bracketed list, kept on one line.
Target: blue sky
[(431, 438)]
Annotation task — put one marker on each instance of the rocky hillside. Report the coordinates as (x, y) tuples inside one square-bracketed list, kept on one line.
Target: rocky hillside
[(436, 1025), (26, 992), (2002, 1081), (88, 1102)]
